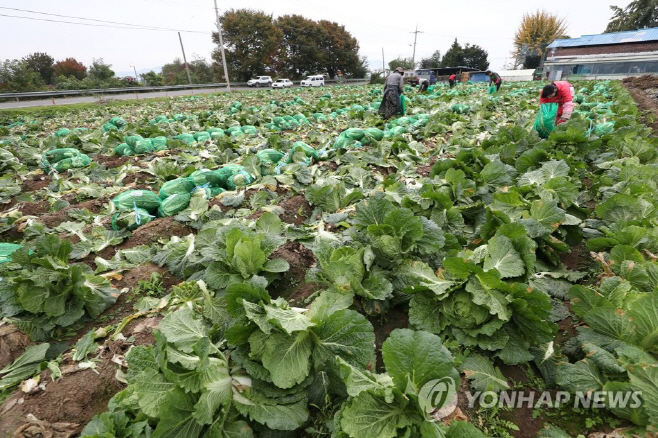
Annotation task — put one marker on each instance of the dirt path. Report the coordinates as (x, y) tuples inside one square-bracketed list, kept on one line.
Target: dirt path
[(644, 90)]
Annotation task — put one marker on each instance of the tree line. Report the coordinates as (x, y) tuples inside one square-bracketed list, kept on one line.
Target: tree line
[(289, 46), (472, 56), (39, 71)]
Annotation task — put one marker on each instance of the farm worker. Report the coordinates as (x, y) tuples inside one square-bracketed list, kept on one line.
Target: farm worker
[(451, 80), (423, 84), (560, 92), (393, 89), (494, 78)]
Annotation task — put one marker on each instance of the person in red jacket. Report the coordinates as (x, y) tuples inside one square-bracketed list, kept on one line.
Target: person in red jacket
[(452, 79), (560, 92)]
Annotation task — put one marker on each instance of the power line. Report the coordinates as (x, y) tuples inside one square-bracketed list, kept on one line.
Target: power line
[(90, 19), (127, 26)]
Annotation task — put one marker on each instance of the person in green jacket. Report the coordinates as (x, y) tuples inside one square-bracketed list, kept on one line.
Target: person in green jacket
[(494, 79)]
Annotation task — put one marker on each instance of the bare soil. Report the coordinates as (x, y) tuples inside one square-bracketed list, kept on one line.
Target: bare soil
[(292, 284), (148, 233), (577, 259), (644, 90), (295, 210), (13, 343), (36, 182), (395, 318), (69, 403)]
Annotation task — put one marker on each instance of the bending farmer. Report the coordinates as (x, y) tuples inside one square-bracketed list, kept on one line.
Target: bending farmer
[(451, 80), (393, 89), (494, 78), (560, 92), (423, 84)]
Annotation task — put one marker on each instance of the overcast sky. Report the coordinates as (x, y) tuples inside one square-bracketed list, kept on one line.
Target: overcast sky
[(490, 24)]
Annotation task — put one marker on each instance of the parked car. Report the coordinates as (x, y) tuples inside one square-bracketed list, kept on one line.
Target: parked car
[(282, 83), (260, 81), (313, 81)]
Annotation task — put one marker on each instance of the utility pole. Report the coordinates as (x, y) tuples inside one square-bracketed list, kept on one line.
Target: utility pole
[(135, 70), (383, 63), (221, 47), (413, 57), (187, 67)]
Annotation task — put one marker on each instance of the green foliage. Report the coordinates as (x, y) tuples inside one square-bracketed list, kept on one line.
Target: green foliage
[(469, 56), (44, 291), (405, 63), (638, 14)]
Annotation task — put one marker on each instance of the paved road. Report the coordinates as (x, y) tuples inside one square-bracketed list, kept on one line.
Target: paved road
[(127, 96)]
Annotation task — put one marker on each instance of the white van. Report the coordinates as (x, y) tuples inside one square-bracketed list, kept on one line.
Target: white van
[(313, 81)]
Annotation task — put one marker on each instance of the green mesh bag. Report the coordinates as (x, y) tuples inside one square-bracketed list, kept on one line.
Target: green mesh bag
[(249, 129), (268, 157), (319, 117), (159, 143), (460, 108), (178, 185), (143, 146), (545, 121), (301, 118), (109, 127), (6, 249), (604, 129), (353, 133), (201, 136), (132, 140), (63, 132), (56, 155), (214, 191), (375, 133), (123, 149), (301, 146), (161, 119), (216, 133), (174, 204), (130, 219), (241, 178), (492, 89), (205, 176), (579, 98), (131, 199), (118, 122), (185, 138), (395, 131), (233, 129), (72, 163)]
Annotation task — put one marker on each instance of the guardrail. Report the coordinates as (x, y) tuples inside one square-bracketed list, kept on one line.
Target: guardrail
[(129, 90)]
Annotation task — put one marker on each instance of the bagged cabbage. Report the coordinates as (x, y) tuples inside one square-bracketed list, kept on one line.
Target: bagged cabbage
[(374, 133), (205, 176), (132, 140), (131, 199), (56, 155), (159, 143), (545, 121), (301, 146), (178, 185), (6, 249), (249, 129), (78, 162), (143, 146), (174, 204), (63, 132), (130, 219), (201, 136), (118, 122), (185, 138)]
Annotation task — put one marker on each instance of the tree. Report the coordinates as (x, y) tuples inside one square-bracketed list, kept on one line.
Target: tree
[(251, 42), (340, 50), (475, 56), (454, 57), (639, 14), (70, 67), (300, 46), (405, 63), (433, 61), (16, 76), (152, 79), (100, 71), (535, 33), (41, 63), (200, 72)]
